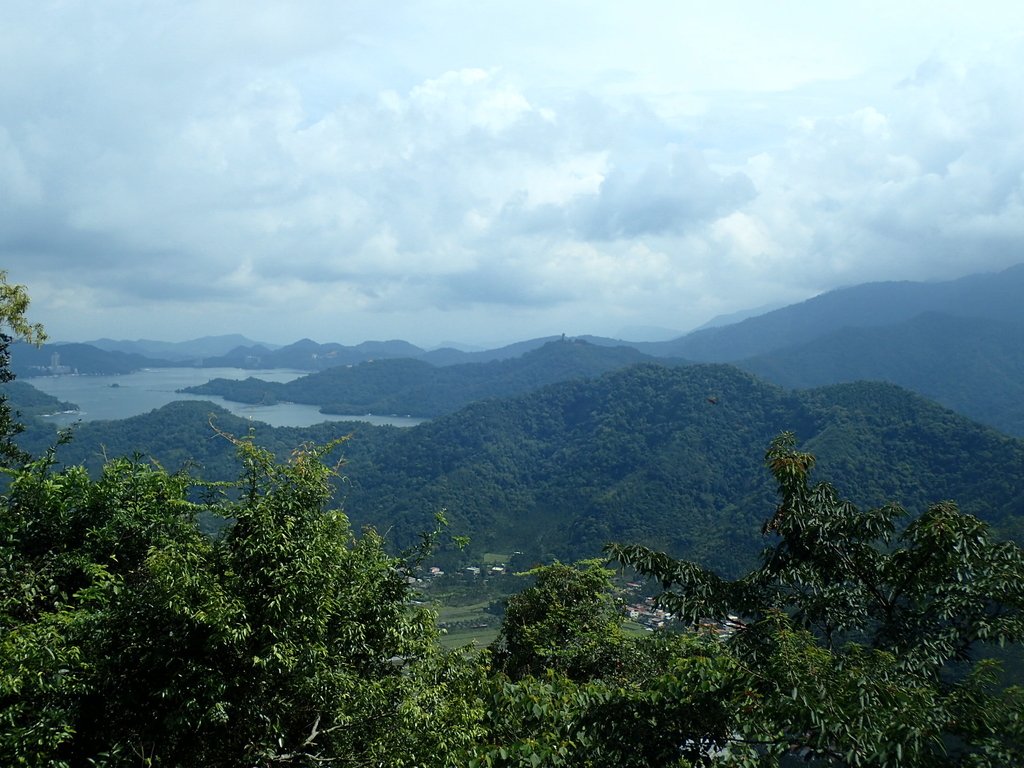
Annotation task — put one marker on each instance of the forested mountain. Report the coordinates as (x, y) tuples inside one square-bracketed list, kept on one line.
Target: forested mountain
[(657, 454), (29, 360), (664, 456), (187, 352), (308, 355), (974, 366), (26, 400), (958, 342), (408, 386), (987, 296), (450, 356)]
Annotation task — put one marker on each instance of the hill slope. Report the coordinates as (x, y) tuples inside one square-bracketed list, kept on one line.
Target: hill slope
[(989, 296), (671, 457), (974, 366), (28, 360), (418, 388), (182, 352), (27, 401)]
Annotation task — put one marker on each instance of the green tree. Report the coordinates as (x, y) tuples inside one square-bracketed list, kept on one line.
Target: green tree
[(860, 628), (569, 687), (128, 637), (14, 301), (567, 622)]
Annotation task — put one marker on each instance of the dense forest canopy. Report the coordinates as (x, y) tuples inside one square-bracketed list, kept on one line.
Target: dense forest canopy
[(639, 454)]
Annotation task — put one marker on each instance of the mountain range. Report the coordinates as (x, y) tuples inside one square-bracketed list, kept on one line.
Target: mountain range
[(973, 365), (958, 342), (553, 446), (667, 456), (990, 296), (193, 352), (415, 387)]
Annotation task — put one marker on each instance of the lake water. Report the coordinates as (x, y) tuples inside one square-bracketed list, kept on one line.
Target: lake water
[(131, 394)]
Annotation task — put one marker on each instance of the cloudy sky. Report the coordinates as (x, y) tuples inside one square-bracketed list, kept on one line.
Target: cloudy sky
[(492, 171)]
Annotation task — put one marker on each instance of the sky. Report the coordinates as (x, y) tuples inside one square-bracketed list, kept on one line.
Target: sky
[(485, 172)]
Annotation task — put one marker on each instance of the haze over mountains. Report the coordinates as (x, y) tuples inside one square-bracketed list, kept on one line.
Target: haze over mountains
[(992, 296), (415, 387), (958, 342), (180, 351)]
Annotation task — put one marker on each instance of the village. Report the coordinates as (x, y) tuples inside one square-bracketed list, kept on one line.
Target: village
[(471, 603)]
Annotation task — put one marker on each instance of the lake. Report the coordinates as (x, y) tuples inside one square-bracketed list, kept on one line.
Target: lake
[(131, 394)]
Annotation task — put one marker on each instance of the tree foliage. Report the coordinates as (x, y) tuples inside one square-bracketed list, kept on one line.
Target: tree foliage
[(861, 626), (14, 324), (566, 622), (131, 637)]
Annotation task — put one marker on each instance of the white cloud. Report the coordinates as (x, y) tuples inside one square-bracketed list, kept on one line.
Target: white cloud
[(484, 172)]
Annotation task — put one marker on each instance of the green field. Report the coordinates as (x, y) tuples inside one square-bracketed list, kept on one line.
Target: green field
[(478, 638), (467, 625)]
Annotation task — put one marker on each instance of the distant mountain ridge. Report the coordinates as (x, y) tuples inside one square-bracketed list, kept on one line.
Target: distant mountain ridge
[(54, 359), (731, 318), (413, 386), (994, 296), (194, 350), (974, 366), (957, 341), (308, 355)]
